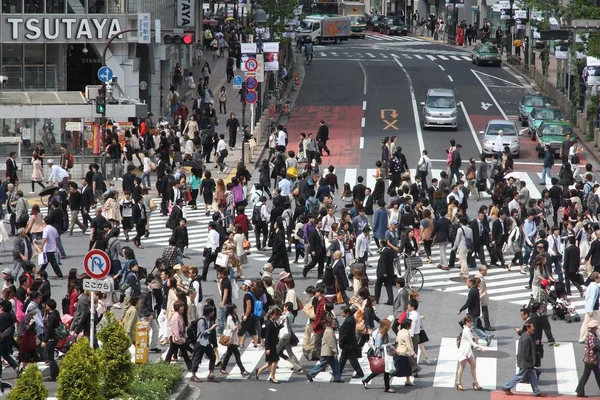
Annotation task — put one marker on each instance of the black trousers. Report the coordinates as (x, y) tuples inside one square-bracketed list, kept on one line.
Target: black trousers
[(50, 346), (545, 325), (233, 349), (587, 371), (261, 228), (85, 216), (386, 379), (498, 256), (480, 251), (323, 146), (320, 259), (206, 151), (388, 282), (209, 259), (199, 352), (140, 229), (174, 348), (485, 313), (350, 355), (51, 255), (571, 277)]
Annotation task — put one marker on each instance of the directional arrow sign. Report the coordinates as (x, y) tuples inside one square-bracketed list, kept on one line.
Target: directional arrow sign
[(393, 113), (485, 106)]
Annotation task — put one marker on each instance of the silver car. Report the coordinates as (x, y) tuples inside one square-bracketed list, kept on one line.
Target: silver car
[(510, 137), (440, 109)]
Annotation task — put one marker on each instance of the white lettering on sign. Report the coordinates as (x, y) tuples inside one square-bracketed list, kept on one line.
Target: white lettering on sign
[(71, 28)]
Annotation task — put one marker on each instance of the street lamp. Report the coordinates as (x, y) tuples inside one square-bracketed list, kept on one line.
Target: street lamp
[(260, 20)]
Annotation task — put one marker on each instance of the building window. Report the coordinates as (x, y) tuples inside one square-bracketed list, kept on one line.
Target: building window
[(34, 6), (12, 65), (53, 66), (97, 6), (55, 6), (34, 67), (12, 6)]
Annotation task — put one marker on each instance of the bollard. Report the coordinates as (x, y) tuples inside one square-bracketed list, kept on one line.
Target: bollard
[(296, 78), (597, 137)]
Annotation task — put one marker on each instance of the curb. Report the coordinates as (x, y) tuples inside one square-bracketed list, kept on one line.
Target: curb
[(182, 391), (581, 136)]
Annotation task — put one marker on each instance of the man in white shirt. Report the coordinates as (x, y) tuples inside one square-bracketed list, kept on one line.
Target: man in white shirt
[(424, 168), (415, 329), (222, 153), (50, 238), (211, 248), (457, 194), (498, 147), (57, 174), (556, 252), (362, 245), (285, 186), (281, 137), (514, 204)]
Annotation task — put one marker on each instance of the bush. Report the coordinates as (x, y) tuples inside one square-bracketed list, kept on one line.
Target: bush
[(154, 381), (29, 386), (78, 378), (146, 391), (115, 358)]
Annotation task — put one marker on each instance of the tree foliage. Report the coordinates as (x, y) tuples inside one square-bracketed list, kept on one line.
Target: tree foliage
[(115, 358), (79, 377), (278, 12), (29, 385)]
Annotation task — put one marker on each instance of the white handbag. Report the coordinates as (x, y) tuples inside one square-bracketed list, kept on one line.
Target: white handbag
[(222, 260), (42, 259), (389, 361)]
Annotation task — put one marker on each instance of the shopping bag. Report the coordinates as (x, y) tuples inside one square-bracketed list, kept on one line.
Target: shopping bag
[(42, 259), (389, 361), (222, 260)]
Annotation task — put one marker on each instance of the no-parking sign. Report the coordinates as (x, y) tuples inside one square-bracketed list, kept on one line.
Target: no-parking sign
[(96, 264), (251, 64)]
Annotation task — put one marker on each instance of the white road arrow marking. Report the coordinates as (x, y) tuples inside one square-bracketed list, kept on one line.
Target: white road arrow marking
[(485, 106)]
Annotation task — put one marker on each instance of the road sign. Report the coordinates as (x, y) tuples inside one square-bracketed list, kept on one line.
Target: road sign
[(97, 264), (237, 80), (105, 74), (97, 285), (251, 83), (251, 97), (251, 64)]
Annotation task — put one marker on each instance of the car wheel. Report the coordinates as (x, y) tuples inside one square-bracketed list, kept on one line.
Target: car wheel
[(533, 136), (523, 123), (540, 153), (518, 155), (477, 62), (363, 37), (337, 41)]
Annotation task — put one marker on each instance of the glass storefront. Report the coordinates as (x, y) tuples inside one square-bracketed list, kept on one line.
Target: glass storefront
[(50, 131), (62, 6), (30, 66)]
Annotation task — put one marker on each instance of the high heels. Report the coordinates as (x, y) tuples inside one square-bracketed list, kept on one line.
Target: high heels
[(273, 380), (365, 384), (460, 387), (476, 386), (256, 373)]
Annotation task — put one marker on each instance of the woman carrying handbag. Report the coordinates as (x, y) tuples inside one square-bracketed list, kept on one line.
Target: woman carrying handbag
[(377, 361)]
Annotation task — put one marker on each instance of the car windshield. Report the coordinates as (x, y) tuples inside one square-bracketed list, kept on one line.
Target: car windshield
[(535, 101), (509, 130), (557, 130), (489, 49), (394, 22), (440, 102), (548, 114), (357, 19)]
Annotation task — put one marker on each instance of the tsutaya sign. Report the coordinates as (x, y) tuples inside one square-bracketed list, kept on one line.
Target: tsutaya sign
[(55, 29)]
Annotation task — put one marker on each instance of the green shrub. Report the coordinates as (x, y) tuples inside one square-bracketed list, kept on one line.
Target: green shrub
[(29, 386), (155, 390), (169, 375), (115, 358), (79, 377)]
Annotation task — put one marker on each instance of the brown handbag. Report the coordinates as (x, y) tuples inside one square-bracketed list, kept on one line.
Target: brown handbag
[(339, 296), (224, 340)]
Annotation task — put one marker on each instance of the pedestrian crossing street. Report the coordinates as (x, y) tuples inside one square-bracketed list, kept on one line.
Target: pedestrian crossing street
[(387, 38), (561, 366), (374, 55)]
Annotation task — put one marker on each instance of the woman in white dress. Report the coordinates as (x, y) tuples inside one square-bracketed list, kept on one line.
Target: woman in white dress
[(465, 354), (37, 176)]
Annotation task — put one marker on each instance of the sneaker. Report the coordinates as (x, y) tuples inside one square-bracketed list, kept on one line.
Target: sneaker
[(31, 192), (225, 170), (489, 339), (553, 344), (118, 305)]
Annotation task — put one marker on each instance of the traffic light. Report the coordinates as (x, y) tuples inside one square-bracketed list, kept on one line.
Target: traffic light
[(186, 38), (100, 105)]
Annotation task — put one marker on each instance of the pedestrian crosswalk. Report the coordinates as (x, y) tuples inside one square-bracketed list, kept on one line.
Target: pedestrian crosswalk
[(375, 55), (388, 38), (559, 365)]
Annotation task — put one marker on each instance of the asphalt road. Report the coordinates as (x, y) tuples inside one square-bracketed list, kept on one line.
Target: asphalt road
[(335, 89)]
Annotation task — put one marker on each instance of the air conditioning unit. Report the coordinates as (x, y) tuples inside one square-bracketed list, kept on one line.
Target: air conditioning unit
[(91, 92)]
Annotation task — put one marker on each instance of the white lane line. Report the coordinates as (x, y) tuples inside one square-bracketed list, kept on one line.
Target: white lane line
[(454, 58), (364, 71), (521, 387), (445, 372), (364, 105), (516, 163), (450, 78), (350, 176), (322, 54), (371, 55), (371, 178), (406, 56), (490, 94), (432, 58), (362, 122), (442, 57), (415, 109), (566, 368), (467, 58), (362, 142), (383, 55), (442, 68), (418, 57), (503, 80), (464, 110), (333, 53), (486, 372)]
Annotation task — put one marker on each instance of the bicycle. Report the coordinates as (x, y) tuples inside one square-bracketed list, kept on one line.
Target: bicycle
[(412, 275)]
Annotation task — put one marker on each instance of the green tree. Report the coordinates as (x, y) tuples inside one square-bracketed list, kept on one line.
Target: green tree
[(278, 12), (79, 377), (29, 385), (115, 359)]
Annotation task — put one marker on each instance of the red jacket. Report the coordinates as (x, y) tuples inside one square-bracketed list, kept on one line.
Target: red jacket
[(242, 219), (319, 314)]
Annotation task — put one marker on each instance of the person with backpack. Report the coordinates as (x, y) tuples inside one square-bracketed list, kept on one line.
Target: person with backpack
[(7, 334), (202, 344), (463, 243), (253, 311), (260, 215), (53, 332)]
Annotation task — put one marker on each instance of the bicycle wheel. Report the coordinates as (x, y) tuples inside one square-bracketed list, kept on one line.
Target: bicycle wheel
[(415, 279)]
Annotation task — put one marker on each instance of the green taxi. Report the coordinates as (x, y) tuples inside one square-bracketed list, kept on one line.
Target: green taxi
[(486, 54), (540, 114), (528, 102), (553, 133)]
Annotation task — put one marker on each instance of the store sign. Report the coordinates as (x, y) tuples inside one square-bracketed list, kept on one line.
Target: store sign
[(186, 17), (76, 28)]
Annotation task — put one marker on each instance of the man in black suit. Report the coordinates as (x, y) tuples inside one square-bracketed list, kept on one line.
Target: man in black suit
[(348, 343), (176, 215), (128, 178), (480, 236), (198, 107), (556, 196), (164, 186), (498, 240), (337, 245), (22, 252), (358, 191), (87, 200), (136, 193), (368, 205), (139, 219), (323, 137), (11, 168), (317, 246), (339, 274), (385, 272)]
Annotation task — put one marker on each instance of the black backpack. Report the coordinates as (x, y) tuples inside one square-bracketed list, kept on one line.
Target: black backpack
[(191, 332), (256, 215)]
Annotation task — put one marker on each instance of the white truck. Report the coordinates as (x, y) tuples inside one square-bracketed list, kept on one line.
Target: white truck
[(324, 28), (358, 17)]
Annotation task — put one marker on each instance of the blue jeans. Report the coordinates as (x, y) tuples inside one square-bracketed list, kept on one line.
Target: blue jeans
[(546, 171), (527, 254), (323, 362), (478, 331), (454, 172), (558, 270), (221, 318), (522, 374), (146, 175)]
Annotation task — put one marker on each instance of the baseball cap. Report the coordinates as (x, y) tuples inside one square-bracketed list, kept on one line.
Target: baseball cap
[(248, 282)]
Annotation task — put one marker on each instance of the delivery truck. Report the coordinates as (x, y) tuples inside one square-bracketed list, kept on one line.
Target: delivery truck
[(355, 10), (325, 28)]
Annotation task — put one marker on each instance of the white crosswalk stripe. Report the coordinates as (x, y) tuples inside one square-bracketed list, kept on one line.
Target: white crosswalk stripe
[(384, 38), (382, 56)]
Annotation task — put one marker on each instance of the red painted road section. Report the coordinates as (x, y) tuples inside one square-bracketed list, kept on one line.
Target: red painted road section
[(344, 131), (517, 396)]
